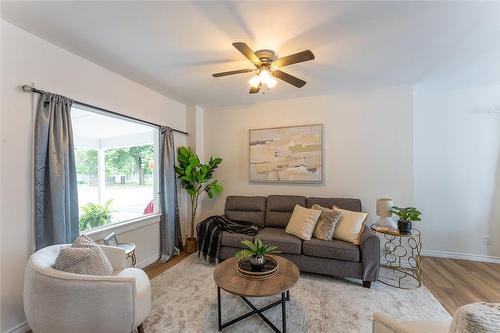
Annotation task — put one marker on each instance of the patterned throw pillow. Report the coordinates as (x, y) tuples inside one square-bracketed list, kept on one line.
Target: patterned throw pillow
[(83, 257), (326, 223), (477, 317)]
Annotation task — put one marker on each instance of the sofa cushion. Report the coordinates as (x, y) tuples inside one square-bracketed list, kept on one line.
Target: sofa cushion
[(233, 239), (286, 243), (343, 203), (334, 249), (243, 208), (279, 209)]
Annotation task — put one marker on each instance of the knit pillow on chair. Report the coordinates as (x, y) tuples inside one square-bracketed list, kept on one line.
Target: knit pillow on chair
[(83, 257)]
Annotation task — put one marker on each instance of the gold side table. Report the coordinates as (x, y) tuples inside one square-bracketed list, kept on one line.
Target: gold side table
[(129, 248), (402, 253)]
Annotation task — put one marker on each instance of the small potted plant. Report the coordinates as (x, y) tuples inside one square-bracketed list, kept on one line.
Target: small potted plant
[(256, 251), (406, 216)]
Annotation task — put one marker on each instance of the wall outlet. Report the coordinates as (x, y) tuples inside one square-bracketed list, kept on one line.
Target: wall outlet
[(487, 240)]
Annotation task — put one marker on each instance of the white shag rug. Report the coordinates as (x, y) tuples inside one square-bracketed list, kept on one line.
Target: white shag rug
[(185, 300)]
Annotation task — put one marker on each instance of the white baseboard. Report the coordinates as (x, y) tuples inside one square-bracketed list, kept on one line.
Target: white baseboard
[(464, 256), (148, 261), (21, 328)]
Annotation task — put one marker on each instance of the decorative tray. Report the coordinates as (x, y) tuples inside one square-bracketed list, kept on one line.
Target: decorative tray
[(271, 268)]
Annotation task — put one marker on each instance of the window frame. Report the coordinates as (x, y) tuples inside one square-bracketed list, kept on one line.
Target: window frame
[(142, 220)]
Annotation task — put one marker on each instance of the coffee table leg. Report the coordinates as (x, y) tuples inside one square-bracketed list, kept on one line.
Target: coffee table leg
[(283, 311), (218, 309)]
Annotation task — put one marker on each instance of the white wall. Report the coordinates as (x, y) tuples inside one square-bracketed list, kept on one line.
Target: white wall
[(368, 145), (457, 169), (27, 59)]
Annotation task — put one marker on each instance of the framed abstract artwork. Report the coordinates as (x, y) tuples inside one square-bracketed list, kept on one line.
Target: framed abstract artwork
[(287, 154)]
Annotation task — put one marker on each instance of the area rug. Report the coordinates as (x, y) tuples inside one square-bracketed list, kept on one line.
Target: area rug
[(185, 300)]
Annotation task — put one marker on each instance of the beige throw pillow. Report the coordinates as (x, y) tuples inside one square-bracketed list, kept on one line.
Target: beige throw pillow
[(326, 223), (303, 222), (349, 226), (83, 257)]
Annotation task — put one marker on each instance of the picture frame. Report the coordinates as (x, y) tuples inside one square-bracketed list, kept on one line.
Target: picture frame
[(287, 154)]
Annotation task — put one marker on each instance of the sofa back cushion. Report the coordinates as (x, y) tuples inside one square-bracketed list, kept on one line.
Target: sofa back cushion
[(279, 209), (243, 208), (342, 203)]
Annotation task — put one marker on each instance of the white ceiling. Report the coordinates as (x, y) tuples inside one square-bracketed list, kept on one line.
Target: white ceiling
[(174, 47)]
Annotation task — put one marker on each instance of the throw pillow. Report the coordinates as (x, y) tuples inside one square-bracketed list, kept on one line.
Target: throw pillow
[(83, 257), (476, 317), (326, 223), (302, 222), (349, 226)]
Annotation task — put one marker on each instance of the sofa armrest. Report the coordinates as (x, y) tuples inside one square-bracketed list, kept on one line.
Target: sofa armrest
[(370, 254), (116, 256)]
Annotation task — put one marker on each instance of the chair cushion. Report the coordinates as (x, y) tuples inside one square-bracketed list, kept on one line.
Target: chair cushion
[(233, 239), (279, 209), (248, 209), (286, 243), (334, 249), (343, 203)]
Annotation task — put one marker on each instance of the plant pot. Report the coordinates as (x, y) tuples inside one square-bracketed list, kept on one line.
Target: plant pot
[(404, 227), (257, 263), (191, 245)]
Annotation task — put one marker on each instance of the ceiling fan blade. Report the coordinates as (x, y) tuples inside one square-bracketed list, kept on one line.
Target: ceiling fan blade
[(254, 90), (239, 71), (294, 81), (247, 52), (295, 58)]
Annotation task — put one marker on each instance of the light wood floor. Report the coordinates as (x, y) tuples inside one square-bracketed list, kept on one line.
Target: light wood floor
[(453, 282), (457, 282)]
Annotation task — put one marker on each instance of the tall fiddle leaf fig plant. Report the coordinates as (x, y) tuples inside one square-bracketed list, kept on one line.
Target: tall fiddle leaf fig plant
[(197, 177)]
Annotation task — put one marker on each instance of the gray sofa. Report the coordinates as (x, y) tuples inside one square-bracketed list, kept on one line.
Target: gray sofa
[(336, 258)]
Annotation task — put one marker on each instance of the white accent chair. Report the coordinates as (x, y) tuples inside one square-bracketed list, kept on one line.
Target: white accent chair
[(60, 302), (474, 317), (385, 324)]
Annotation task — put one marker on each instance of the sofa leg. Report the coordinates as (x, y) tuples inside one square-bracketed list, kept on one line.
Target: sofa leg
[(140, 328), (367, 284)]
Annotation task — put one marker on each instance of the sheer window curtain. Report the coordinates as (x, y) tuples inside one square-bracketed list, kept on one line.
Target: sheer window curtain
[(170, 229), (55, 186)]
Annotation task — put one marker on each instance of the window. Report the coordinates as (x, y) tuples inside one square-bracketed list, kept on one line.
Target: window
[(115, 166)]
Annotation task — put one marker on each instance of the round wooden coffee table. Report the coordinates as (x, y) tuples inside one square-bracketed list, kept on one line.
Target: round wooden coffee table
[(227, 278)]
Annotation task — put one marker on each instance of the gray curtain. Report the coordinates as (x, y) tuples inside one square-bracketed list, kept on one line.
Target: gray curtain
[(56, 195), (170, 228)]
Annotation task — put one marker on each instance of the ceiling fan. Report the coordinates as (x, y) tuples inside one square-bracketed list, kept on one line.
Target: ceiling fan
[(267, 66)]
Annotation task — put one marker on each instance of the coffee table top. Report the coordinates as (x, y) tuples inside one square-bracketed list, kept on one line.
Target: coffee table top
[(227, 278)]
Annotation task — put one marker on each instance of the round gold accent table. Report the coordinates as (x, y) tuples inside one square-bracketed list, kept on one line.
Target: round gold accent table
[(227, 278), (402, 254)]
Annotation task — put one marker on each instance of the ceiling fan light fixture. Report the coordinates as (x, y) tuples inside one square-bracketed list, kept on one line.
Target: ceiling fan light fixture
[(254, 81), (264, 76), (271, 83)]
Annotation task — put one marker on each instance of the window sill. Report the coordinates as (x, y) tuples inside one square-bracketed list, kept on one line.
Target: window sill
[(122, 227)]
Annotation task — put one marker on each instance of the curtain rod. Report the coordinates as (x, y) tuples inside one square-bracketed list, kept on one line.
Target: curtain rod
[(30, 89)]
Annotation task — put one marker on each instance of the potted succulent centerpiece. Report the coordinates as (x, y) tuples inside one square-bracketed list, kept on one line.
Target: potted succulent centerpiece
[(196, 178), (257, 251), (406, 216)]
